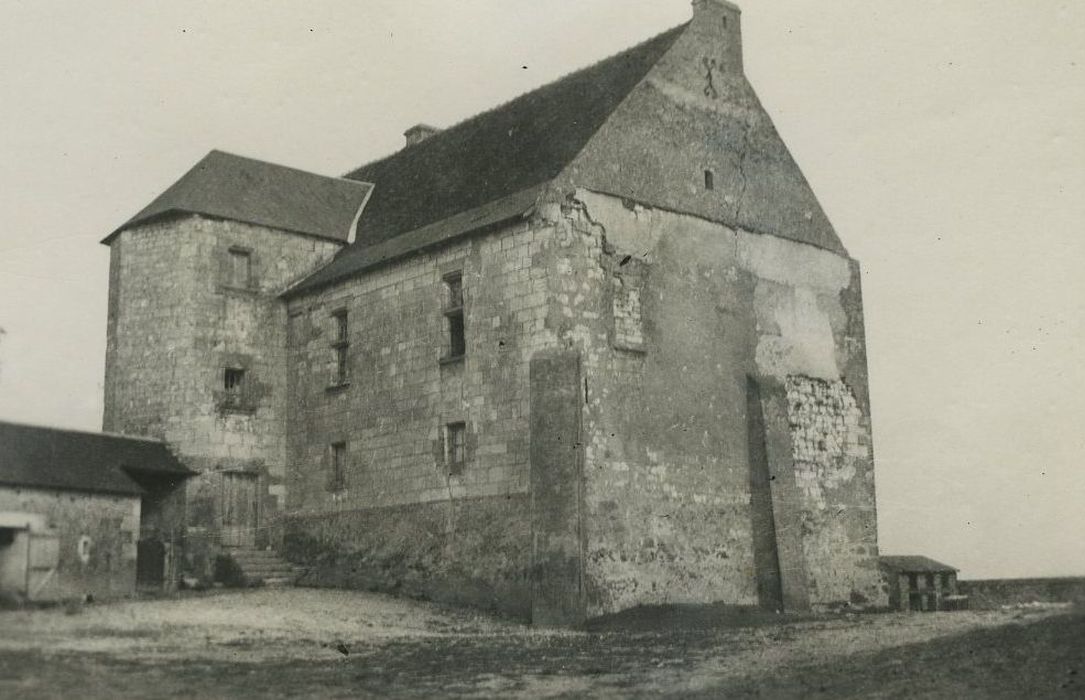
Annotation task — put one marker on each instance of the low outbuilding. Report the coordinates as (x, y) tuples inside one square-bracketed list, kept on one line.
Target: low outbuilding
[(86, 514), (921, 584)]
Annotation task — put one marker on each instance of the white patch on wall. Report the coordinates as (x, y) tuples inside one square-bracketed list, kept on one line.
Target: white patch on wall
[(802, 341), (83, 549)]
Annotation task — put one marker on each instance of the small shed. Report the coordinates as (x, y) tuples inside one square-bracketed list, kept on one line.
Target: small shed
[(921, 584), (86, 514)]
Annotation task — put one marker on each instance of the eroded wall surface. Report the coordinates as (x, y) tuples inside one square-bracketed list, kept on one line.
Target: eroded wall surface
[(95, 548), (176, 321), (667, 505)]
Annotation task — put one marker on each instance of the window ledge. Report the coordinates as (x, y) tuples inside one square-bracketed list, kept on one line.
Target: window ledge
[(240, 409), (452, 359), (336, 388), (632, 349), (244, 291)]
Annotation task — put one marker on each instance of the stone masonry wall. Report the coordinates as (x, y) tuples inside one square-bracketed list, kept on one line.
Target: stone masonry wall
[(391, 418), (667, 513), (175, 324), (831, 450), (109, 522)]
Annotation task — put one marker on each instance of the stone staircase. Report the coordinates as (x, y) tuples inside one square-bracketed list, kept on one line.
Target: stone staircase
[(264, 567)]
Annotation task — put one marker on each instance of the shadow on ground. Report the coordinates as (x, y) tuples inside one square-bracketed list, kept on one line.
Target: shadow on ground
[(1023, 658)]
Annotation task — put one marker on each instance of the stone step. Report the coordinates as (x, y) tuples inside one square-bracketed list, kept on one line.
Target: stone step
[(256, 560), (262, 566)]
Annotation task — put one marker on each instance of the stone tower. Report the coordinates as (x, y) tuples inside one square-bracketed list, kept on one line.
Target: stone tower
[(196, 333)]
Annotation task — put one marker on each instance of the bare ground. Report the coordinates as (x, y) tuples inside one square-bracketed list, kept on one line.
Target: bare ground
[(282, 643)]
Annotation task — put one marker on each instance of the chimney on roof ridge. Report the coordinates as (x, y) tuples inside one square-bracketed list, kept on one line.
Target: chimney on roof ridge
[(419, 133), (721, 21)]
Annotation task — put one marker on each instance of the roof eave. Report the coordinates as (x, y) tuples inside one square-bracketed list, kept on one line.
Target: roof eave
[(401, 246), (160, 216)]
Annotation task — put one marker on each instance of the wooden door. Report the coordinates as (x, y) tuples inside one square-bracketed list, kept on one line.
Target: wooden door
[(239, 509)]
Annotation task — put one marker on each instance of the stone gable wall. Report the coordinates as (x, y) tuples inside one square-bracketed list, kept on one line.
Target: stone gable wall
[(667, 502)]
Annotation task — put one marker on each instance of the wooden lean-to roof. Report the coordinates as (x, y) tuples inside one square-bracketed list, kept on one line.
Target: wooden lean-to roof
[(50, 458), (914, 563)]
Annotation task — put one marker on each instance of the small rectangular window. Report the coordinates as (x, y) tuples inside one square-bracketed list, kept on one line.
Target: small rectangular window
[(455, 447), (338, 477), (454, 287), (240, 272), (454, 315), (341, 329), (341, 348), (709, 180), (233, 384)]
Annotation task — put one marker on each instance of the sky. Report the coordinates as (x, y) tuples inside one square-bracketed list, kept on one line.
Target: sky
[(943, 138)]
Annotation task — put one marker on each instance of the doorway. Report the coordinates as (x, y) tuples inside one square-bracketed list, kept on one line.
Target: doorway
[(240, 511)]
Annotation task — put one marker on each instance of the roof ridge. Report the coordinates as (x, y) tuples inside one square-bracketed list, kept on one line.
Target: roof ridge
[(522, 143), (261, 161), (502, 105)]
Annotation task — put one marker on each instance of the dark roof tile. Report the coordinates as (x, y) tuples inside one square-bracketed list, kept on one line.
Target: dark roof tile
[(520, 144), (492, 156), (50, 458), (481, 218), (913, 563), (227, 186)]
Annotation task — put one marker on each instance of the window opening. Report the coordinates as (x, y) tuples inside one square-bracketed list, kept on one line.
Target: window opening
[(341, 347), (455, 447), (240, 268), (457, 340), (339, 465)]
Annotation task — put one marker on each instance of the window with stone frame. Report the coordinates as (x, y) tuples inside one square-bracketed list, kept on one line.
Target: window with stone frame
[(239, 268), (341, 348), (337, 474), (456, 346), (234, 392), (455, 448)]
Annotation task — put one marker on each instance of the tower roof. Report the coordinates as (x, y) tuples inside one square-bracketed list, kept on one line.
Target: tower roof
[(227, 186)]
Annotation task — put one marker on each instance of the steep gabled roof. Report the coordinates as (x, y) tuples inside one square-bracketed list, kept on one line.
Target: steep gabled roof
[(466, 169), (228, 186), (478, 219), (49, 458)]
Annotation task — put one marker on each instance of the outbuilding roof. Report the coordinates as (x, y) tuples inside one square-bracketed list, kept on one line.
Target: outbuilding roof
[(51, 458), (228, 186), (914, 563), (482, 164)]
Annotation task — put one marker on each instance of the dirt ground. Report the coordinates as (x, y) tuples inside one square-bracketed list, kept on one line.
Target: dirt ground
[(279, 643)]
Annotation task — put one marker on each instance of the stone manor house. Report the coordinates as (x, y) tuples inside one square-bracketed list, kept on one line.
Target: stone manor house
[(595, 348)]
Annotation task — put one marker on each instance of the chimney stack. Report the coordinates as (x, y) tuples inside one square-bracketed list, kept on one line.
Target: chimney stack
[(419, 133), (721, 21)]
